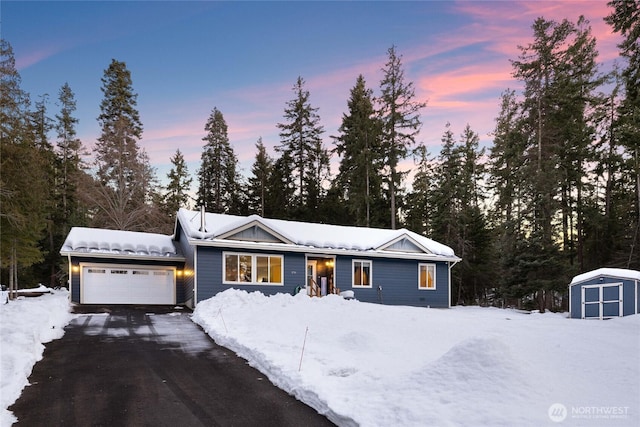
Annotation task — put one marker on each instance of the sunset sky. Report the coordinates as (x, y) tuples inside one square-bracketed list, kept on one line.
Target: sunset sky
[(244, 57)]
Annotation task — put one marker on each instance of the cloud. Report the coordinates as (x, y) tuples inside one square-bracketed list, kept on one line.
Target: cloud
[(460, 73), (510, 23), (35, 55)]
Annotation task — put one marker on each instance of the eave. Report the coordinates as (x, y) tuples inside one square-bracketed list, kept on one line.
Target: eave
[(172, 258), (247, 245)]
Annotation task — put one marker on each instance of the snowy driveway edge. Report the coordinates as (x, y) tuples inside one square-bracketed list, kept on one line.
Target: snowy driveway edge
[(26, 324), (210, 316)]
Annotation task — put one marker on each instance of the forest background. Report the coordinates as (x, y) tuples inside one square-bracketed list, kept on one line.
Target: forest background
[(556, 193)]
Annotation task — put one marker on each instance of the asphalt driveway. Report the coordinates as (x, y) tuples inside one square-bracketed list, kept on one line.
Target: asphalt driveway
[(150, 366)]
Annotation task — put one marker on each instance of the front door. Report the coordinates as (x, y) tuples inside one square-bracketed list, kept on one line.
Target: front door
[(312, 268)]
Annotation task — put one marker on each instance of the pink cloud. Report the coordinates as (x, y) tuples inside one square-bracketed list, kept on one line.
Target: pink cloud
[(31, 57), (510, 23)]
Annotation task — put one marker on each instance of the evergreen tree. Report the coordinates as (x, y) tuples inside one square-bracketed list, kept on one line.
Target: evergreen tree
[(23, 196), (117, 150), (457, 218), (358, 181), (445, 199), (177, 191), (400, 115), (258, 188), (559, 73), (219, 181), (506, 160), (48, 270), (124, 195), (419, 209), (301, 144), (280, 198), (71, 168), (473, 172), (625, 20)]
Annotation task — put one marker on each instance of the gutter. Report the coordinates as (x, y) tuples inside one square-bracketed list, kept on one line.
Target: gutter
[(177, 258)]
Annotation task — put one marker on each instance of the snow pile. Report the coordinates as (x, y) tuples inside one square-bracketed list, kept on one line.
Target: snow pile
[(25, 324), (373, 365)]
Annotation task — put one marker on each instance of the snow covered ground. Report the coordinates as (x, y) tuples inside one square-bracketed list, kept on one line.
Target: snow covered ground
[(372, 365), (25, 324)]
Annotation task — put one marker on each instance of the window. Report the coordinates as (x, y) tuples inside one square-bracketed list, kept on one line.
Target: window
[(119, 271), (361, 274), (252, 269), (426, 276)]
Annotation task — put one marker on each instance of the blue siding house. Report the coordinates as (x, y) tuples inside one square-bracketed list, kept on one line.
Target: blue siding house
[(210, 253), (275, 256), (604, 293)]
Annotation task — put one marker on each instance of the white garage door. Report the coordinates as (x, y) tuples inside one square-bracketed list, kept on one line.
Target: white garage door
[(117, 284)]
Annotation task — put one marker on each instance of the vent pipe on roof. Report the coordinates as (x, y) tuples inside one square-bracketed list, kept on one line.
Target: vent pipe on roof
[(203, 224)]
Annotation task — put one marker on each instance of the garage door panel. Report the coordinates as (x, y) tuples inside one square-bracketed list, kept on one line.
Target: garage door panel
[(127, 285)]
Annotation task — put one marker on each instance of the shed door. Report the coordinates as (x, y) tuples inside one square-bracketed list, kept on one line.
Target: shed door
[(602, 301), (117, 284)]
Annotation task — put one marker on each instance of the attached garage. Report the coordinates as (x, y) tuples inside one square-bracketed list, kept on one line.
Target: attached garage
[(123, 267), (126, 284), (604, 293)]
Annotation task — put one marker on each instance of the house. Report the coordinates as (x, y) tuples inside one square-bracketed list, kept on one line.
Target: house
[(209, 253), (604, 293)]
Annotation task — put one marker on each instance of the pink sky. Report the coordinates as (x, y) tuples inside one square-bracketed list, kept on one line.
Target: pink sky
[(460, 74)]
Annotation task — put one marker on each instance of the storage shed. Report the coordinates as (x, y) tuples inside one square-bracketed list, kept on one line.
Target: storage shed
[(604, 293)]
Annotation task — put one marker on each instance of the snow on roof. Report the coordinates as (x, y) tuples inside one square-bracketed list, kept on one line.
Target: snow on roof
[(118, 242), (323, 236), (612, 272)]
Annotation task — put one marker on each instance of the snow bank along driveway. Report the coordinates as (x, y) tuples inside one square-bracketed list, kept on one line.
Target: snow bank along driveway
[(373, 365), (25, 324)]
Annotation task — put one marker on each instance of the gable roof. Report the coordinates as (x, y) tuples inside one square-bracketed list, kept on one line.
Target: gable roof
[(620, 273), (221, 229), (96, 242)]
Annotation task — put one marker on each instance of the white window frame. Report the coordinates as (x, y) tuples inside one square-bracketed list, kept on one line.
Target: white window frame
[(254, 269), (353, 276), (435, 282)]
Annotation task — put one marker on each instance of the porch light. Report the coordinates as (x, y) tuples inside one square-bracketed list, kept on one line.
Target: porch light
[(75, 268)]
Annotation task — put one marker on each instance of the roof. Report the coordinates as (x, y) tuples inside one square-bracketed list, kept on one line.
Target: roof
[(620, 273), (103, 243), (220, 230)]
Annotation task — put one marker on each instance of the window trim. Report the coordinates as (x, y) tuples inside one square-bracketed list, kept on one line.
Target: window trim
[(435, 281), (254, 269), (353, 277)]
